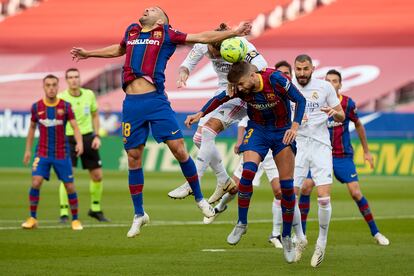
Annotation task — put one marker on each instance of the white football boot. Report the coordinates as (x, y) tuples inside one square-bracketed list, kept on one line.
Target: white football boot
[(137, 223), (221, 189), (381, 239), (181, 192), (318, 256)]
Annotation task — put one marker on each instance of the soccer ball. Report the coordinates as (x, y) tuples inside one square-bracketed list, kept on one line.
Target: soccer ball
[(233, 50)]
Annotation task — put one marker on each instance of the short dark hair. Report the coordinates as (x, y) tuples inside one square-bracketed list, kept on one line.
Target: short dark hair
[(303, 58), (70, 70), (238, 70), (166, 16), (335, 72), (221, 28), (50, 76), (284, 63)]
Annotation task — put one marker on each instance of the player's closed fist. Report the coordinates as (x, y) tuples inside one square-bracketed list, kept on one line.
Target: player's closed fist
[(194, 118), (78, 53)]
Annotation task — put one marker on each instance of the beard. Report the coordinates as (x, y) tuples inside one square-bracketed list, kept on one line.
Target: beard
[(304, 80)]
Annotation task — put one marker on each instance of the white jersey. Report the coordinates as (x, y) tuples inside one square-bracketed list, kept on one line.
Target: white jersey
[(318, 93), (221, 66)]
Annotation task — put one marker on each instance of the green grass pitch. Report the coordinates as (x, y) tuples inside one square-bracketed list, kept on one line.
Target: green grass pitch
[(176, 243)]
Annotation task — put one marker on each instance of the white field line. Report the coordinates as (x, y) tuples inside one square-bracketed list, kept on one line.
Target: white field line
[(175, 223)]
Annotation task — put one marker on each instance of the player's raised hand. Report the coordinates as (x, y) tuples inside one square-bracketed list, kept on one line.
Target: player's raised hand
[(182, 78), (368, 157), (78, 53), (26, 157), (237, 147), (244, 28), (79, 149), (231, 89), (193, 118), (329, 110)]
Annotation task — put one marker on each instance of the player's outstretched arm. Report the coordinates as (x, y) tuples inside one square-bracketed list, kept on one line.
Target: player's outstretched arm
[(115, 50), (78, 137), (29, 143), (215, 36), (360, 129), (211, 105)]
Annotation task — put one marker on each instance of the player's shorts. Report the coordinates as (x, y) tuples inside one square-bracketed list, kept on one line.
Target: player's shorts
[(229, 113), (63, 168), (344, 169), (144, 111), (90, 157), (315, 157), (268, 166), (260, 139)]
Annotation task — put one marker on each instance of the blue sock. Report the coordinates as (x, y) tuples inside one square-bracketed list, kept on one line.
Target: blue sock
[(366, 213), (73, 203), (190, 173), (288, 205), (34, 201), (246, 190), (136, 184), (304, 206)]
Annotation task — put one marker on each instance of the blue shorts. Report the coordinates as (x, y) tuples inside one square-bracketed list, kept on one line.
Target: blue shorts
[(344, 169), (63, 168), (139, 112), (260, 139)]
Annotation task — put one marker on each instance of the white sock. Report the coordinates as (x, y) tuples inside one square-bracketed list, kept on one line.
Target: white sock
[(277, 217), (209, 154), (297, 222), (324, 214), (197, 139), (224, 200)]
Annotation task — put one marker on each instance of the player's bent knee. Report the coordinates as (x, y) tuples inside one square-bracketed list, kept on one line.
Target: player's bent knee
[(214, 125), (324, 201)]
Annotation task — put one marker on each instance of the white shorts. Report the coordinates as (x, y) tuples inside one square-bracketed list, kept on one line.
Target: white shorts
[(315, 157), (268, 165), (229, 113)]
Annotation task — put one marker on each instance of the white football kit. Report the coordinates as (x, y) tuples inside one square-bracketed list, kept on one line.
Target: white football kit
[(267, 165), (314, 151), (235, 109)]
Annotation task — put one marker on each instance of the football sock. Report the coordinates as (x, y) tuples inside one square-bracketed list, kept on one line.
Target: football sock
[(96, 189), (216, 163), (73, 203), (297, 225), (190, 173), (324, 214), (277, 217), (246, 190), (136, 184), (227, 197), (34, 201), (63, 200), (304, 206), (288, 205), (366, 213)]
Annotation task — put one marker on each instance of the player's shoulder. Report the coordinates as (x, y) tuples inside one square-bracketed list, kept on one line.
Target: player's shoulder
[(87, 92), (133, 26), (348, 100)]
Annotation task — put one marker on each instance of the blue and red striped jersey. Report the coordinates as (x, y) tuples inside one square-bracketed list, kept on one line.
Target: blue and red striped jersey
[(52, 121), (271, 104), (147, 53), (339, 131)]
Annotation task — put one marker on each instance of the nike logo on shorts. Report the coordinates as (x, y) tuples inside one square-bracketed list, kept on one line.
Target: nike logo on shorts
[(353, 175), (175, 132)]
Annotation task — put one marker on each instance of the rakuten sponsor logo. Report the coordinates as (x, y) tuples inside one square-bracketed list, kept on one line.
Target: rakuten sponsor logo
[(14, 124), (143, 41)]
